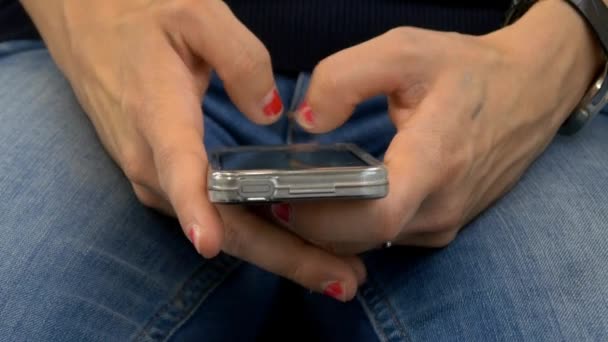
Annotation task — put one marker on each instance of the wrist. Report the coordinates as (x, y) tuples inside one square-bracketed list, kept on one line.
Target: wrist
[(558, 54)]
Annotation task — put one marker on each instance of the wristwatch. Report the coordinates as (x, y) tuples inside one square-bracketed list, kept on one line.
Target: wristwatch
[(595, 14)]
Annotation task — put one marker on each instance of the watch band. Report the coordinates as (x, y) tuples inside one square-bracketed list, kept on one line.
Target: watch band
[(517, 10), (595, 13)]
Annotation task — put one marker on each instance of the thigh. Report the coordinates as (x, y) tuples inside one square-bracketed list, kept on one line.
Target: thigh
[(532, 267), (80, 258)]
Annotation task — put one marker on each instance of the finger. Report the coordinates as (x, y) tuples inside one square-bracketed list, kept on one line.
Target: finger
[(182, 168), (242, 62), (419, 238), (413, 175), (384, 65), (348, 251), (172, 125), (358, 266), (342, 248), (151, 199), (278, 251)]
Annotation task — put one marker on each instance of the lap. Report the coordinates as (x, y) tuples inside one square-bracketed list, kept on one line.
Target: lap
[(532, 267), (80, 258)]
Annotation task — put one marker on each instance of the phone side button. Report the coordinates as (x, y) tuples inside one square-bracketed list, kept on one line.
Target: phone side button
[(256, 188), (311, 191)]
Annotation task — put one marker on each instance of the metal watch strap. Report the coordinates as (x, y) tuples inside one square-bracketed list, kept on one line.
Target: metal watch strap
[(517, 10), (595, 13)]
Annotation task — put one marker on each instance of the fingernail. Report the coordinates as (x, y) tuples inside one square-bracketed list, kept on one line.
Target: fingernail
[(307, 117), (193, 235), (334, 290), (282, 211), (272, 104)]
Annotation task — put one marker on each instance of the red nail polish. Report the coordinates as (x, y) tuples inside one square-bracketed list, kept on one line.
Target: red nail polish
[(334, 290), (273, 105), (306, 113), (282, 211)]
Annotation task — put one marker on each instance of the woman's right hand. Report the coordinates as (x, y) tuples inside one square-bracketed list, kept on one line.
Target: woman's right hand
[(140, 68)]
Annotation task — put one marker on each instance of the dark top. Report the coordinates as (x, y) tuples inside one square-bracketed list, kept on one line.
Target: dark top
[(299, 33)]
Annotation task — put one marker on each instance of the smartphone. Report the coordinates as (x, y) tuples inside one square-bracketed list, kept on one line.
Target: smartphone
[(294, 172)]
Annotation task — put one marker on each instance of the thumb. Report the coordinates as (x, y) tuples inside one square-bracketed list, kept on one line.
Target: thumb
[(384, 65)]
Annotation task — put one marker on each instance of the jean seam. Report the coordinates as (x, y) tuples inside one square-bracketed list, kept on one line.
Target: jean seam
[(376, 303), (193, 292)]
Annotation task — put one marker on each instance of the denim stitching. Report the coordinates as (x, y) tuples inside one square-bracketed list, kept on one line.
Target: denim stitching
[(368, 311), (376, 304), (164, 323)]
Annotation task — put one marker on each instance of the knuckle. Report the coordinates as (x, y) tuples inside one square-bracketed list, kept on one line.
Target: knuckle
[(454, 216), (134, 106), (325, 79), (389, 227), (402, 39), (145, 197), (449, 223), (176, 11), (250, 61), (171, 160), (297, 272), (329, 246), (133, 166), (449, 217), (401, 32), (233, 243), (300, 268), (166, 158)]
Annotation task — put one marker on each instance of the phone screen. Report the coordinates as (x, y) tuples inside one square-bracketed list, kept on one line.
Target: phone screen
[(288, 159)]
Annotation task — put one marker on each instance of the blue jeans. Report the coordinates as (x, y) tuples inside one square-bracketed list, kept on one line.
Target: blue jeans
[(81, 259)]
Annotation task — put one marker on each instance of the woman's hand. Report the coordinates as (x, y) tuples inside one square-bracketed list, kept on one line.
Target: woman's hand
[(140, 69), (472, 113)]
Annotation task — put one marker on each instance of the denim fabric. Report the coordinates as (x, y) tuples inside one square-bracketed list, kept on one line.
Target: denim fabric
[(533, 267), (80, 259)]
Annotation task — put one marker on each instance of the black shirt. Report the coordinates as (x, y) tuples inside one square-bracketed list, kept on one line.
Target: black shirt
[(299, 33)]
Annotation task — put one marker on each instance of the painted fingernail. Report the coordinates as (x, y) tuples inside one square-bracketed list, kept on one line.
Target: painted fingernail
[(307, 117), (272, 104), (193, 235), (334, 290), (282, 211)]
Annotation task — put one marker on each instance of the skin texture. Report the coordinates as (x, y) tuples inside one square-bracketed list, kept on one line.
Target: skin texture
[(472, 113), (140, 70)]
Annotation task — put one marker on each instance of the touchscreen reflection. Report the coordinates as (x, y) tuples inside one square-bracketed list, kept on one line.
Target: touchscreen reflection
[(288, 160)]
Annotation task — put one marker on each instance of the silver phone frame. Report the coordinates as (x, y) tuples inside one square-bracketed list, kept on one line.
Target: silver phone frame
[(270, 185)]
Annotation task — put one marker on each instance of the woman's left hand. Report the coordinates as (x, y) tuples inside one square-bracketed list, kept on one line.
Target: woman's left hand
[(472, 113)]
